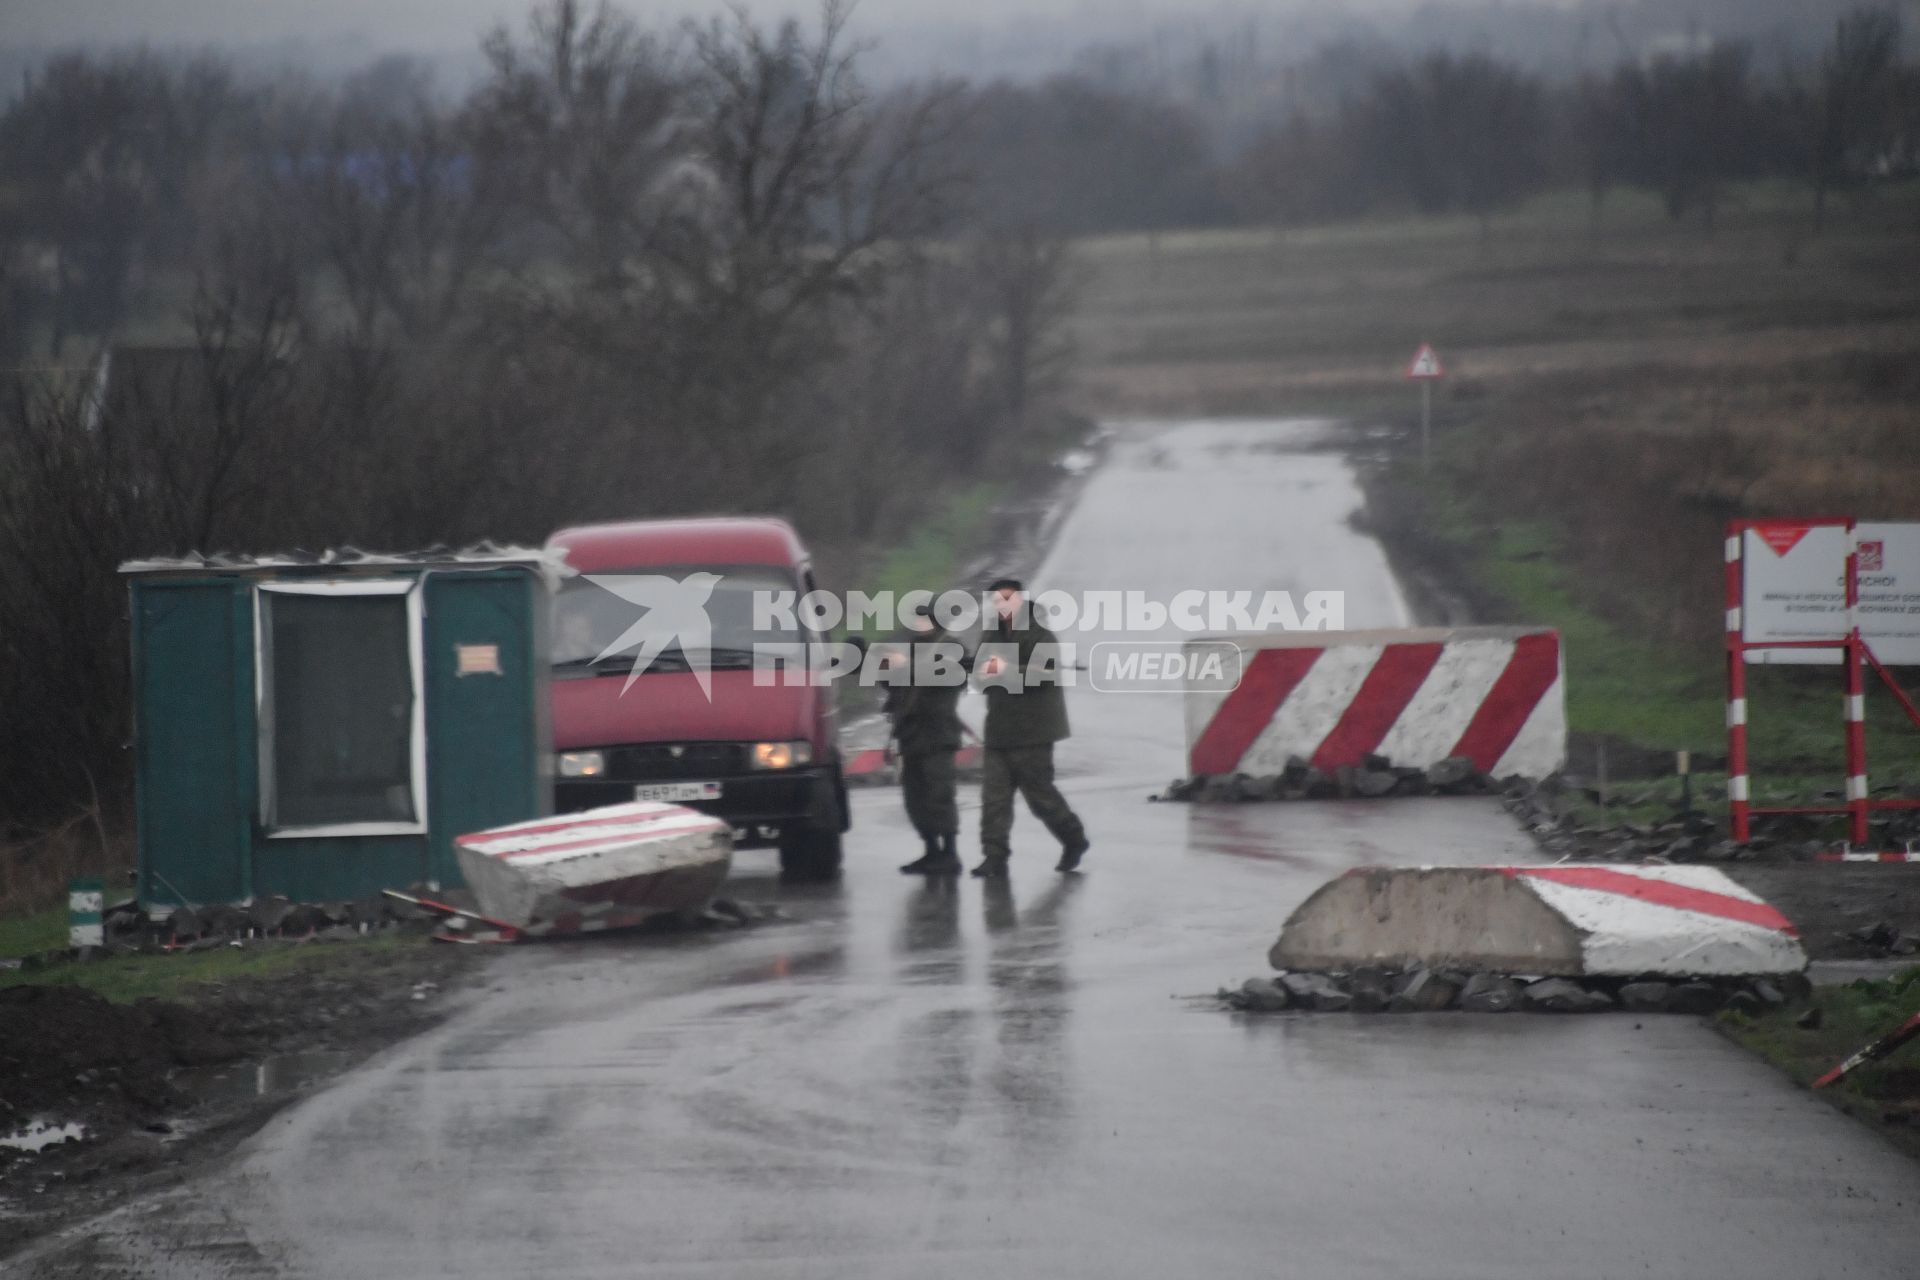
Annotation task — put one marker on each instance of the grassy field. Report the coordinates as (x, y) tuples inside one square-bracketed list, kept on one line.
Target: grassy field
[(26, 935), (1616, 392), (1251, 321)]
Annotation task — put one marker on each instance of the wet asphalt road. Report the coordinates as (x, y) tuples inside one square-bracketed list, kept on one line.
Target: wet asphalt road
[(928, 1081)]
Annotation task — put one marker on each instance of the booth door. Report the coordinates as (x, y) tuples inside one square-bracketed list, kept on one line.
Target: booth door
[(194, 741), (488, 744)]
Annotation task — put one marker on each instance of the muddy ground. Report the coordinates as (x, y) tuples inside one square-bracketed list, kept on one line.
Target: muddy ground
[(163, 1087), (1845, 911)]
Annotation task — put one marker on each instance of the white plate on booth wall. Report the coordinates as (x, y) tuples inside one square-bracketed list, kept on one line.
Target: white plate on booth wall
[(675, 791)]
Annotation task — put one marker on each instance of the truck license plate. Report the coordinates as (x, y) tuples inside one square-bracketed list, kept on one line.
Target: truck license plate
[(677, 791)]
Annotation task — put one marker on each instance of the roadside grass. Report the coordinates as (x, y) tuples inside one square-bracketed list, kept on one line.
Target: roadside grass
[(933, 555), (183, 976), (1661, 695), (1617, 686), (1884, 1093), (31, 934), (1664, 697)]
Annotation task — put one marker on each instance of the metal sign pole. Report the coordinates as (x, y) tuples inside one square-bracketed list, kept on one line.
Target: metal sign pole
[(1739, 819), (1426, 422), (1856, 700)]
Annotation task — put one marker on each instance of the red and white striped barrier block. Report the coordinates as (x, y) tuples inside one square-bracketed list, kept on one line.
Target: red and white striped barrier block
[(1495, 695), (866, 763), (603, 869), (1566, 920)]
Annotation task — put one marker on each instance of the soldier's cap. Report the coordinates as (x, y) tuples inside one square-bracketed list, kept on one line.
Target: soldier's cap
[(1006, 584)]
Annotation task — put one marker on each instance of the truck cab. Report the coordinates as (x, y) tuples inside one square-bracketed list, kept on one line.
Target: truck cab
[(655, 639)]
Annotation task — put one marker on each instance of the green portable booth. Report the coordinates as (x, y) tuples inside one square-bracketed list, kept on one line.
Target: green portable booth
[(323, 727)]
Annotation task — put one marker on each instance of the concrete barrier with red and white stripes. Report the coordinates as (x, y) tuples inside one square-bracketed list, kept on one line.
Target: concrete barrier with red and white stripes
[(1565, 920), (607, 868), (1495, 695)]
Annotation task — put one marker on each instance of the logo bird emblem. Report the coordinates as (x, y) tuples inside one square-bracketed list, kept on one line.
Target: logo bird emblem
[(673, 613)]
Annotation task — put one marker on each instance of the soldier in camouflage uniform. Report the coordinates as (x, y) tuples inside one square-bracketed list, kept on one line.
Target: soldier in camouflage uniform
[(1024, 720), (926, 727)]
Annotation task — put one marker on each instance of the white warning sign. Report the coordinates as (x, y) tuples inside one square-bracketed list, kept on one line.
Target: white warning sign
[(1426, 363), (1794, 587)]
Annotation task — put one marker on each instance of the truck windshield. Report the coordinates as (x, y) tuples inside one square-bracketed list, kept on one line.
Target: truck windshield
[(677, 616)]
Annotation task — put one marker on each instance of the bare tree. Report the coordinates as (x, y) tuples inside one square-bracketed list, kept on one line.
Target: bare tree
[(1463, 133), (102, 155), (1026, 283), (397, 206), (581, 122)]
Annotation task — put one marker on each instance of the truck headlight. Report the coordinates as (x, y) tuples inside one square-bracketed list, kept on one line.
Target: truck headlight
[(780, 755), (582, 764)]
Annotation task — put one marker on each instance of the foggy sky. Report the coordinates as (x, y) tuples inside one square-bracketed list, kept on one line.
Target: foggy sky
[(439, 26), (429, 23), (909, 38)]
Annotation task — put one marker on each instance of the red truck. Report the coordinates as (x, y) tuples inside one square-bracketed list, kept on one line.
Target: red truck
[(654, 690)]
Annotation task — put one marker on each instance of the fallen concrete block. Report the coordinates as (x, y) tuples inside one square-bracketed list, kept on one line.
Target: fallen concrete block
[(1557, 921), (1315, 991), (603, 869), (1557, 995), (1489, 993), (1424, 991)]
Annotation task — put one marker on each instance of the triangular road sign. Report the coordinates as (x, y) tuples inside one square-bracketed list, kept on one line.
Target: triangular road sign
[(1426, 363), (1782, 537)]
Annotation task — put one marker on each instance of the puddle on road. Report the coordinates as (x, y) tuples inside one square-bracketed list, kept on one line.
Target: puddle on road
[(278, 1074), (41, 1134)]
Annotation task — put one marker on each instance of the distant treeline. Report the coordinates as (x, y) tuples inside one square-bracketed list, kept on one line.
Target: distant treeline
[(1356, 130)]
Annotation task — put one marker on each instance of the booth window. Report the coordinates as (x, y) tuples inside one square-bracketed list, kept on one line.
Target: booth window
[(341, 725)]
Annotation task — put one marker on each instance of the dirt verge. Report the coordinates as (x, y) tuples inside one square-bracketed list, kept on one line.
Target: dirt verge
[(153, 1090)]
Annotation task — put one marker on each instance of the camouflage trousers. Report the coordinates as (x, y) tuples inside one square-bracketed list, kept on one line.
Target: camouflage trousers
[(927, 784), (1028, 771)]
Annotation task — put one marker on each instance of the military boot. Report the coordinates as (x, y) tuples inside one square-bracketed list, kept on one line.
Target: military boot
[(936, 861), (947, 860)]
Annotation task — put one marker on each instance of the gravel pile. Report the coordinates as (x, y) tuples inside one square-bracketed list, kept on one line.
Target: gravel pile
[(1374, 777), (1424, 990)]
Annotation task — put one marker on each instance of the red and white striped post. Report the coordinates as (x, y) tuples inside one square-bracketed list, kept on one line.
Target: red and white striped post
[(1856, 698), (1738, 800)]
